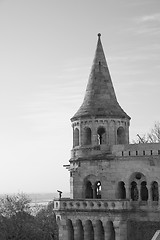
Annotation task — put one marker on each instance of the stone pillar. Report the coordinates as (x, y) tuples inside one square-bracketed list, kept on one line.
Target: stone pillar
[(120, 228), (139, 191), (128, 194), (62, 229), (149, 191), (94, 134)]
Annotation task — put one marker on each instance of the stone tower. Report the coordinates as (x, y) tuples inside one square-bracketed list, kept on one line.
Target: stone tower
[(114, 185)]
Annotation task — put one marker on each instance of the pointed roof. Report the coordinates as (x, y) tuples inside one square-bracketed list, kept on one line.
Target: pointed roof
[(100, 98)]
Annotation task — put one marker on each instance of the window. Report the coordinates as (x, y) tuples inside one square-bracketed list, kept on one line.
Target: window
[(76, 137), (121, 136), (87, 136), (88, 190), (154, 191), (101, 134)]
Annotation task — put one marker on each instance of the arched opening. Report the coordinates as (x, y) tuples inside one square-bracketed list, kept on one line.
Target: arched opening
[(144, 191), (134, 191), (76, 137), (99, 230), (88, 190), (79, 232), (121, 135), (121, 190), (89, 231), (154, 191), (70, 230), (101, 134), (110, 232), (87, 136), (98, 189)]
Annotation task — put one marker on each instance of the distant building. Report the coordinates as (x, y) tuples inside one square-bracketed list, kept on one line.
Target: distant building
[(114, 185)]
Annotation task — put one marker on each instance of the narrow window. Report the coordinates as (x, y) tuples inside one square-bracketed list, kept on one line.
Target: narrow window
[(121, 135), (87, 136), (154, 191), (121, 190), (101, 134), (76, 137), (88, 190)]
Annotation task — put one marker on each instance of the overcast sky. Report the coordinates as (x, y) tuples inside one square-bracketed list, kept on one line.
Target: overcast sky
[(46, 52)]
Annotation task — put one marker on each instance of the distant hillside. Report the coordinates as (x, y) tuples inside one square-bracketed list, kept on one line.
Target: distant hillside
[(41, 197)]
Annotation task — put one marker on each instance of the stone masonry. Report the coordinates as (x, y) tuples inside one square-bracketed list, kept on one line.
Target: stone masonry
[(114, 185)]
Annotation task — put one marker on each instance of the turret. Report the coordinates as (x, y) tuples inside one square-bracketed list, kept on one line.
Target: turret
[(100, 120)]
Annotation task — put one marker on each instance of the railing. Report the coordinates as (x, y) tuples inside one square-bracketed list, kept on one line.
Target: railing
[(156, 235), (103, 205), (90, 204)]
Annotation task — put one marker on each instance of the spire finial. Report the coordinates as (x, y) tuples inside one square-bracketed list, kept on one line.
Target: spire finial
[(99, 35)]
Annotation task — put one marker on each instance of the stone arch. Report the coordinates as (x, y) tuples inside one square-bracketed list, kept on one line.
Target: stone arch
[(88, 230), (121, 136), (79, 231), (109, 231), (121, 190), (88, 189), (154, 191), (88, 186), (138, 187), (99, 230), (70, 230), (87, 136), (98, 190), (75, 137), (101, 135)]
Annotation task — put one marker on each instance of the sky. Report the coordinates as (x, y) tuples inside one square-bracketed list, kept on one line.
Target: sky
[(46, 52)]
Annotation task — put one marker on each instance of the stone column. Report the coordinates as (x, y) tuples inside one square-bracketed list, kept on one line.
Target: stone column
[(63, 231), (149, 191), (139, 191), (128, 194), (120, 228)]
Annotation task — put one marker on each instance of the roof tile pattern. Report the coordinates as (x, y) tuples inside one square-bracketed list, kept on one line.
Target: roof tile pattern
[(100, 98)]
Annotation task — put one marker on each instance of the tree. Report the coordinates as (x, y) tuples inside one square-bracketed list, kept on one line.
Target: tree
[(17, 221), (46, 221), (152, 137)]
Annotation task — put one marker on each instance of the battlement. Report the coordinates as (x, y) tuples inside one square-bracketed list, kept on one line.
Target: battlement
[(104, 151), (142, 149)]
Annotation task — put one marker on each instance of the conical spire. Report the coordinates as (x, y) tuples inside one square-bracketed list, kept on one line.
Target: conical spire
[(100, 99)]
